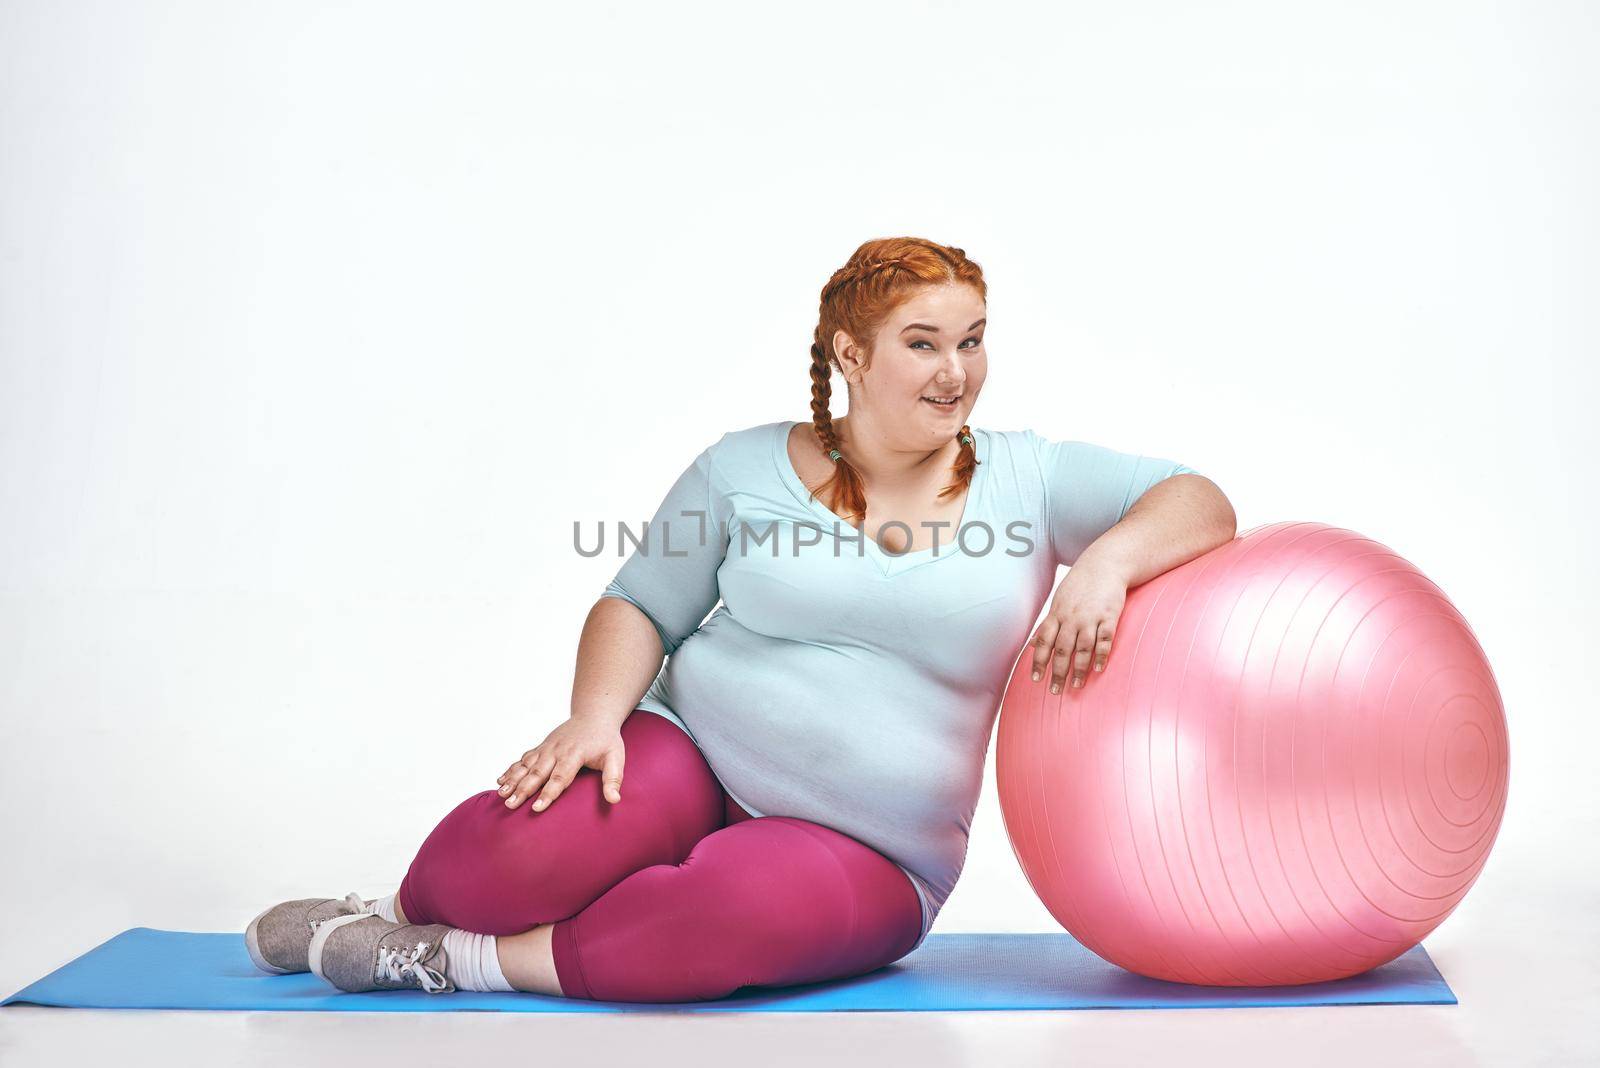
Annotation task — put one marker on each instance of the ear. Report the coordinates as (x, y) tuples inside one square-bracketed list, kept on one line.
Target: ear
[(852, 358)]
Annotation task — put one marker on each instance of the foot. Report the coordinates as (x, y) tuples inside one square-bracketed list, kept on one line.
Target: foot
[(366, 952), (279, 940)]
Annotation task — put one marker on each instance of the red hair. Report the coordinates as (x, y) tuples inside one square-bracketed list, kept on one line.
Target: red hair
[(879, 276)]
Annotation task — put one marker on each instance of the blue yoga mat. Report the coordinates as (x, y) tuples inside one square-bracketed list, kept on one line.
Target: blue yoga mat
[(149, 969)]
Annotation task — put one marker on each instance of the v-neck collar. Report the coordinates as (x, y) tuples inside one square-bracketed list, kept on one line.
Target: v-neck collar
[(889, 564)]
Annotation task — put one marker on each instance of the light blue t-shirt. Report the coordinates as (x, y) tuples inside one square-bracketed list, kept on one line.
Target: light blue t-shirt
[(839, 682)]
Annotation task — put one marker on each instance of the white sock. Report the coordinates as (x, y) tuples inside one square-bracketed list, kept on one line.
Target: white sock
[(384, 906), (472, 961)]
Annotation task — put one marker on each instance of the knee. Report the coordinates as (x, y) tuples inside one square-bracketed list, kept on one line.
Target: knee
[(499, 843), (475, 821), (483, 839), (486, 868)]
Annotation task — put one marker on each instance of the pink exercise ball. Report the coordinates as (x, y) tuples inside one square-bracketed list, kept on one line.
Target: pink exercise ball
[(1291, 770)]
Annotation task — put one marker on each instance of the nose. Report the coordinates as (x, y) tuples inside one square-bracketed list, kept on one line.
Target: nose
[(950, 376)]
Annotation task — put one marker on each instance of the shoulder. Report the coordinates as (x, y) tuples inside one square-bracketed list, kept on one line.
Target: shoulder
[(1018, 449), (1010, 440), (1038, 465), (1049, 452), (750, 438), (746, 445), (743, 454)]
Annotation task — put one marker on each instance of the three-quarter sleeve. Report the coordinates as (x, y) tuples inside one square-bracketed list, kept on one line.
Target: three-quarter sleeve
[(671, 576), (1089, 488)]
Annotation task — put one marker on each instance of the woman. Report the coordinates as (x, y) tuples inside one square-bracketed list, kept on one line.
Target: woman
[(802, 772)]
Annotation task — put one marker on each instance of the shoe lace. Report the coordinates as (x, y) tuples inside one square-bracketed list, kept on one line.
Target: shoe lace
[(396, 966), (356, 904)]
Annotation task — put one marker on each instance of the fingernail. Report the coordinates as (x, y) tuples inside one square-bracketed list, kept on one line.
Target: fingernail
[(511, 802), (1055, 687), (1077, 683), (1035, 676), (539, 803)]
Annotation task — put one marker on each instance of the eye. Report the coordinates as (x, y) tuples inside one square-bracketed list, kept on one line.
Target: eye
[(976, 341)]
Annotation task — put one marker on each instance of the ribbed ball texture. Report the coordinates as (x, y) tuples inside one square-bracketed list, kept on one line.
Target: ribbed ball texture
[(1291, 770)]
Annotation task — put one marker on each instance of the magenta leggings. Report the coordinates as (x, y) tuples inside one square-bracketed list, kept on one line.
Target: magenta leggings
[(674, 893)]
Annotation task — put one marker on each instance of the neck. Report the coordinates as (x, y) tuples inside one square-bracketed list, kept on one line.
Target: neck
[(882, 463)]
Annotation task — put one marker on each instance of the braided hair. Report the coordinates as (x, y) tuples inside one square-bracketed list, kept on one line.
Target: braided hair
[(879, 276)]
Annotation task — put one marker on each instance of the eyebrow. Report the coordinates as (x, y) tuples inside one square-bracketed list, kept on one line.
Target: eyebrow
[(935, 329)]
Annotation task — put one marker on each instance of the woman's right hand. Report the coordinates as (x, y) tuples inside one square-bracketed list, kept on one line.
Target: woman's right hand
[(556, 761)]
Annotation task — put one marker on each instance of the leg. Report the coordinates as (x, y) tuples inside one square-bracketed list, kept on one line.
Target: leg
[(774, 901), (527, 960), (493, 870)]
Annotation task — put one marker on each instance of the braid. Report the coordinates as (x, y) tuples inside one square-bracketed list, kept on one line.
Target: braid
[(856, 272), (966, 463), (846, 480)]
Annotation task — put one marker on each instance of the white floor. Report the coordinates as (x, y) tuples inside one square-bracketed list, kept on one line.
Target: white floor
[(1365, 1035), (1519, 953)]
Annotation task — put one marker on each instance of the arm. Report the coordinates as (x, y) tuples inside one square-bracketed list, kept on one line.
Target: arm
[(1117, 520), (1174, 521), (659, 597), (619, 654)]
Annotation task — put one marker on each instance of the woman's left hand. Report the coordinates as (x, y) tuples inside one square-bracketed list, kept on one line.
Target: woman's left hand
[(1080, 625)]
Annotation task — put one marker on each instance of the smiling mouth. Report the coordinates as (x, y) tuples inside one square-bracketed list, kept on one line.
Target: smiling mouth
[(945, 404)]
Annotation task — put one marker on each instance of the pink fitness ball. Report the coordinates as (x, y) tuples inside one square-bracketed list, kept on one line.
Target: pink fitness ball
[(1291, 770)]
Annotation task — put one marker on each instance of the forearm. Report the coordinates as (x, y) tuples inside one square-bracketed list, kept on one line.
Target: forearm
[(619, 654), (1176, 520)]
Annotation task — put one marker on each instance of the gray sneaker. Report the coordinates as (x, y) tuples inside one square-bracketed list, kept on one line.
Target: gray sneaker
[(357, 953), (279, 940)]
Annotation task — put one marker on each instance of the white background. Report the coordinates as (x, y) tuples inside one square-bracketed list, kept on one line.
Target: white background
[(320, 325)]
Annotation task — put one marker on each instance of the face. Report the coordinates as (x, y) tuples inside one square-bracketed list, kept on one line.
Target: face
[(929, 347)]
